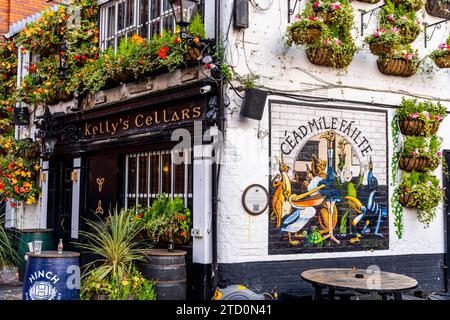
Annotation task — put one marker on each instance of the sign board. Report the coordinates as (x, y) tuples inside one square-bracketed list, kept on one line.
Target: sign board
[(255, 199)]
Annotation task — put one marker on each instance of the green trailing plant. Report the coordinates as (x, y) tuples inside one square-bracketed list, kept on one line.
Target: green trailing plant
[(421, 191), (420, 118), (167, 219), (304, 31), (384, 41), (249, 81), (115, 245), (403, 19), (419, 147)]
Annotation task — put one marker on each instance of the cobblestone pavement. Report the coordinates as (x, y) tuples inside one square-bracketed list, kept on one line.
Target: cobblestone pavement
[(10, 286)]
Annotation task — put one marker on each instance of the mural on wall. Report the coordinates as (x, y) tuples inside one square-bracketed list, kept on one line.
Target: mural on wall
[(328, 183)]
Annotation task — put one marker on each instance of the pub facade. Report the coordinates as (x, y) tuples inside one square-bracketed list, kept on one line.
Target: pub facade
[(307, 184)]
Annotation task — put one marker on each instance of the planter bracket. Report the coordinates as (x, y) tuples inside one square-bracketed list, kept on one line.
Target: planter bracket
[(291, 11), (436, 26), (371, 12)]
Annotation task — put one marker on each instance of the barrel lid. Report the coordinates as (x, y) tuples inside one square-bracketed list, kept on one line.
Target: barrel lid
[(165, 252), (35, 230), (54, 254)]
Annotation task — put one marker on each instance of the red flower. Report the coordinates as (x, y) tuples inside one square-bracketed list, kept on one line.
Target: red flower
[(83, 57), (32, 68), (316, 4), (177, 40), (13, 205), (5, 76), (163, 52), (95, 56), (76, 57), (62, 52)]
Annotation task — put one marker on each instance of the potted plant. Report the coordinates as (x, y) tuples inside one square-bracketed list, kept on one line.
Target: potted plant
[(331, 52), (421, 192), (405, 21), (420, 118), (8, 254), (383, 41), (420, 153), (438, 8), (441, 56), (402, 63), (325, 10), (415, 5), (304, 31)]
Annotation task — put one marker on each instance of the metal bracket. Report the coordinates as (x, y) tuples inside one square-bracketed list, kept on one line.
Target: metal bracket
[(365, 25), (436, 26), (291, 11)]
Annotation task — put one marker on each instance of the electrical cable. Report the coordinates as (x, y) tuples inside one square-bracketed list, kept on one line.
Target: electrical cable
[(258, 7)]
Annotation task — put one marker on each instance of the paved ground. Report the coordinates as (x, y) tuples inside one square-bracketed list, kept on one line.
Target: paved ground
[(10, 286)]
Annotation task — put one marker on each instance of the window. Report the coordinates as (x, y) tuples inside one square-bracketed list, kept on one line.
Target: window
[(151, 173), (123, 18)]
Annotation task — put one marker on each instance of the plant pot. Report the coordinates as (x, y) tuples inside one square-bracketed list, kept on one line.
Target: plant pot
[(414, 164), (416, 7), (169, 269), (325, 57), (379, 49), (416, 127), (396, 67), (438, 9), (408, 200), (443, 62)]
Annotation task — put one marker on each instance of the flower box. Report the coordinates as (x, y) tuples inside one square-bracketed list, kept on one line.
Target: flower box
[(400, 67), (438, 8)]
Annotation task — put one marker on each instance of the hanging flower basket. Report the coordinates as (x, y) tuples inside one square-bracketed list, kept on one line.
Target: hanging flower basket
[(124, 76), (379, 49), (438, 8), (421, 164), (408, 200), (443, 61), (325, 56), (415, 5), (324, 16), (400, 67), (409, 35), (417, 127)]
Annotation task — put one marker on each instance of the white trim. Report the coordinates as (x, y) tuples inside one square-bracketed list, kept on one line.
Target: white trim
[(76, 186)]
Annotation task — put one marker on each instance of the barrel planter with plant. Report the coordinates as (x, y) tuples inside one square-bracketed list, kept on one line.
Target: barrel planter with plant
[(438, 8)]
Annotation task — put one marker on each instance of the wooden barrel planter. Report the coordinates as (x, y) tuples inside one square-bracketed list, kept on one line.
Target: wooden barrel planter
[(169, 269), (29, 235), (379, 49), (396, 67), (52, 276), (192, 54), (408, 200), (416, 127), (417, 164), (443, 62), (438, 9)]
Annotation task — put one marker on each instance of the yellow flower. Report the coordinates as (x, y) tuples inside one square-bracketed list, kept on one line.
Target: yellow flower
[(20, 164), (13, 181), (36, 167), (125, 282), (48, 83), (31, 200)]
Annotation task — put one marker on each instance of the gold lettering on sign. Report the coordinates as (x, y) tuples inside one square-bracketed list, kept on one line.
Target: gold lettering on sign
[(137, 121), (126, 125), (99, 209), (100, 182)]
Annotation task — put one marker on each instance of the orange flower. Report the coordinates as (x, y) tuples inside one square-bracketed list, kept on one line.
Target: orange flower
[(163, 52), (137, 39)]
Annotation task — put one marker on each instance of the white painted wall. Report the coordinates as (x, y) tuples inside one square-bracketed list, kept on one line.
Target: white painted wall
[(259, 50)]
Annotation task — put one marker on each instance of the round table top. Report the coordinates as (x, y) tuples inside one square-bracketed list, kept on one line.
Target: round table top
[(54, 254), (165, 252), (372, 281)]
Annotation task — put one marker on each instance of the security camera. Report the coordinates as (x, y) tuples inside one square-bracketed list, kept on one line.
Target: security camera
[(205, 89)]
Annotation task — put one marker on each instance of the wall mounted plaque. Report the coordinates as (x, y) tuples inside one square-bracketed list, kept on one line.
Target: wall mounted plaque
[(255, 199)]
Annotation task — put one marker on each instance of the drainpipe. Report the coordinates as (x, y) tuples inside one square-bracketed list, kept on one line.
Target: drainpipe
[(215, 166)]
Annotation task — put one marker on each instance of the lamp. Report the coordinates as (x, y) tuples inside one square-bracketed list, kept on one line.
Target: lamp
[(44, 135), (183, 11)]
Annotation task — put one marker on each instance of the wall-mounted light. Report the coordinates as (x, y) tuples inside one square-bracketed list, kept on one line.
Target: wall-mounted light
[(42, 177), (74, 176)]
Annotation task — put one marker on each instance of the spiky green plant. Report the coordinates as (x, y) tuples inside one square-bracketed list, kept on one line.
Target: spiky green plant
[(8, 255), (115, 245)]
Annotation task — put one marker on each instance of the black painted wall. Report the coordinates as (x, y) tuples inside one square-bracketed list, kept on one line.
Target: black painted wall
[(285, 275)]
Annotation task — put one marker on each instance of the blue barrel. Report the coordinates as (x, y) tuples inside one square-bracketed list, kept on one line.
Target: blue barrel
[(52, 276)]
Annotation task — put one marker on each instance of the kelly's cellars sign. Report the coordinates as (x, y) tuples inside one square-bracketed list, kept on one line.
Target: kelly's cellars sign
[(142, 121)]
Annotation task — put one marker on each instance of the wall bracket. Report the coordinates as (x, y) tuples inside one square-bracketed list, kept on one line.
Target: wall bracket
[(435, 26), (371, 12)]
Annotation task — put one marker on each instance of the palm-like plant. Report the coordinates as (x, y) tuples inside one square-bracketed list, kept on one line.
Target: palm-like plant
[(8, 255), (115, 244)]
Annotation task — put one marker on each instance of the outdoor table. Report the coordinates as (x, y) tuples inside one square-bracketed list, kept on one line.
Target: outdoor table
[(359, 280)]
